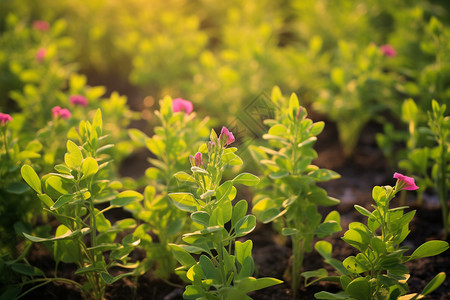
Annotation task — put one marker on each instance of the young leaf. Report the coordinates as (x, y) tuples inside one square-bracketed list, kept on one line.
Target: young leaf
[(30, 177), (73, 158), (89, 167)]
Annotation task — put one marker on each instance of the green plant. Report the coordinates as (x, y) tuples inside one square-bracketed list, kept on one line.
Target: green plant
[(70, 195), (378, 270), (289, 196), (179, 133), (225, 266)]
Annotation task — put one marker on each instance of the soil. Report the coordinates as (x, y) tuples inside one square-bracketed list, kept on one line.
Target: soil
[(360, 173)]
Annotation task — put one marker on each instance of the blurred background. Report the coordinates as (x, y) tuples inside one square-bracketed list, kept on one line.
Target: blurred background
[(354, 62)]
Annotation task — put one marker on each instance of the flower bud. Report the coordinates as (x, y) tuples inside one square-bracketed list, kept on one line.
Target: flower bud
[(198, 159), (226, 136)]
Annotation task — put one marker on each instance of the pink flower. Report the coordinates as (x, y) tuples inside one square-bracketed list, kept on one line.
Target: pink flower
[(405, 182), (40, 55), (388, 50), (64, 113), (227, 136), (182, 105), (78, 100), (41, 25), (5, 118)]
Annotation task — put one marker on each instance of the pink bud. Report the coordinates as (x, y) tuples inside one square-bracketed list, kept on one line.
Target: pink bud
[(198, 159), (182, 105), (41, 25), (5, 118), (40, 55), (405, 182), (388, 50), (227, 136), (78, 100)]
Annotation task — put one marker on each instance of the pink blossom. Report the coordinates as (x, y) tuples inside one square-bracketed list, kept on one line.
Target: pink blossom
[(182, 105), (5, 118), (78, 100), (40, 55), (41, 25), (227, 136), (405, 182), (64, 113), (388, 50)]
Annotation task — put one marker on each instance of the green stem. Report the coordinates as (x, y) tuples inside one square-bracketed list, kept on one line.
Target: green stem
[(442, 192), (45, 281), (297, 262), (5, 143)]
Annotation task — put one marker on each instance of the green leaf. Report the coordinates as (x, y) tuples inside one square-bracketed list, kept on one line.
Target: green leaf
[(137, 136), (223, 191), (64, 199), (201, 218), (208, 268), (429, 248), (56, 186), (184, 177), (327, 228), (26, 269), (30, 177), (245, 225), (317, 128), (88, 269), (126, 197), (182, 255), (243, 250), (239, 211), (246, 179), (324, 248), (46, 200), (330, 296), (363, 211), (108, 279), (434, 283), (67, 235), (353, 265), (249, 284), (97, 122), (324, 175), (73, 158), (294, 106), (184, 201), (17, 188), (89, 167), (279, 130), (289, 231), (359, 289)]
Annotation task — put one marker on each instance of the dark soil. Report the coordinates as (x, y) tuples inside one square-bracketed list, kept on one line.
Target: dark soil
[(365, 169)]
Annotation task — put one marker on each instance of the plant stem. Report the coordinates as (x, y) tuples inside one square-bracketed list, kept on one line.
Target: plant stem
[(297, 262)]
